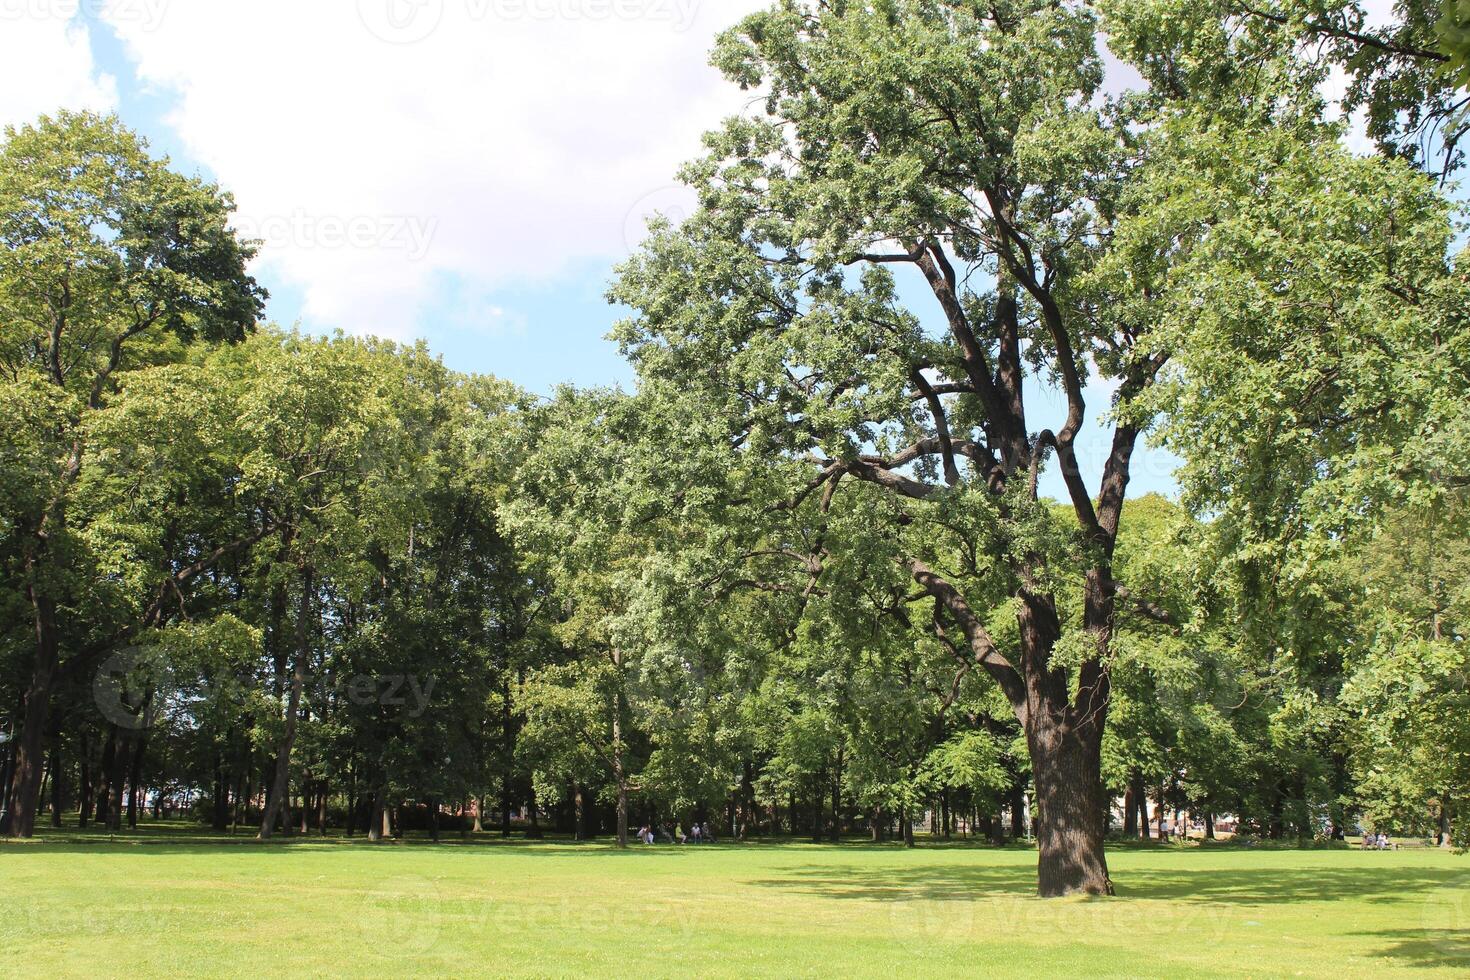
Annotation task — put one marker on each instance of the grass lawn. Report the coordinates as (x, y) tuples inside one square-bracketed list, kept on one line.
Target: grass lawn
[(169, 901)]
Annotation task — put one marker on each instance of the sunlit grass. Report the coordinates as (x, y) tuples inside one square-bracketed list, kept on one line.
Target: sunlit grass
[(166, 901)]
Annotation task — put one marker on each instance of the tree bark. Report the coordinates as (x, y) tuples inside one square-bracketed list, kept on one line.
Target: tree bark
[(58, 784), (84, 779), (1070, 805), (276, 801), (378, 817), (25, 778)]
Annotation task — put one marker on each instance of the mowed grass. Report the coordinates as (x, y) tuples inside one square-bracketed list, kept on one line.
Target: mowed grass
[(169, 901)]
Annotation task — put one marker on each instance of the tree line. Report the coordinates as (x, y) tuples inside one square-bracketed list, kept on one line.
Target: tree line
[(804, 578)]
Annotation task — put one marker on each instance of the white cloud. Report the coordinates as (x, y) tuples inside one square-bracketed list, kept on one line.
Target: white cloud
[(517, 135), (46, 63)]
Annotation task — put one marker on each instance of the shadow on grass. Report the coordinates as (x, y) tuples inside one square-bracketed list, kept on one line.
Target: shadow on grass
[(1236, 887), (1442, 948)]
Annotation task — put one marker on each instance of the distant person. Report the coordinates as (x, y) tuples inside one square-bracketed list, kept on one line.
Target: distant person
[(695, 834)]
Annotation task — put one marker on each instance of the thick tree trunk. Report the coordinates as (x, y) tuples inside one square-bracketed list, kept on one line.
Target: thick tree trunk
[(117, 781), (1446, 814), (276, 801), (378, 816), (1070, 804), (25, 778)]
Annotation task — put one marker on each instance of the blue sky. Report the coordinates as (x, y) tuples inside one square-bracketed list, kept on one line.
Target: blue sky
[(468, 172)]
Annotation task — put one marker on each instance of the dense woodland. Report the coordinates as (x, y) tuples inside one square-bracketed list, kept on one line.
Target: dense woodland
[(804, 579)]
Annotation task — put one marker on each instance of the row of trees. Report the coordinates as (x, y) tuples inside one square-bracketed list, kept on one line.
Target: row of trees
[(804, 579)]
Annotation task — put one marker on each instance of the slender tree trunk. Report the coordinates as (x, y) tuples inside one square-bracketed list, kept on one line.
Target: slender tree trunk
[(276, 801), (84, 778), (135, 769), (619, 775), (1209, 825), (1446, 814), (58, 784), (622, 785), (104, 778), (835, 833), (479, 814)]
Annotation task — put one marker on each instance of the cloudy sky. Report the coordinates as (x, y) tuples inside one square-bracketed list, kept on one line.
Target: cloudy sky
[(465, 171)]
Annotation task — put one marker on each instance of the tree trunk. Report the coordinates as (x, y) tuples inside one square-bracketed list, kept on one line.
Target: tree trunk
[(220, 812), (1209, 825), (479, 813), (1070, 804), (104, 778), (378, 818), (84, 779), (619, 777), (276, 801), (117, 781), (1446, 837), (58, 785), (135, 769), (835, 833), (25, 778)]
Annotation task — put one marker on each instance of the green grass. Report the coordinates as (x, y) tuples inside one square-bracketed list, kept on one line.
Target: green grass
[(165, 900)]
